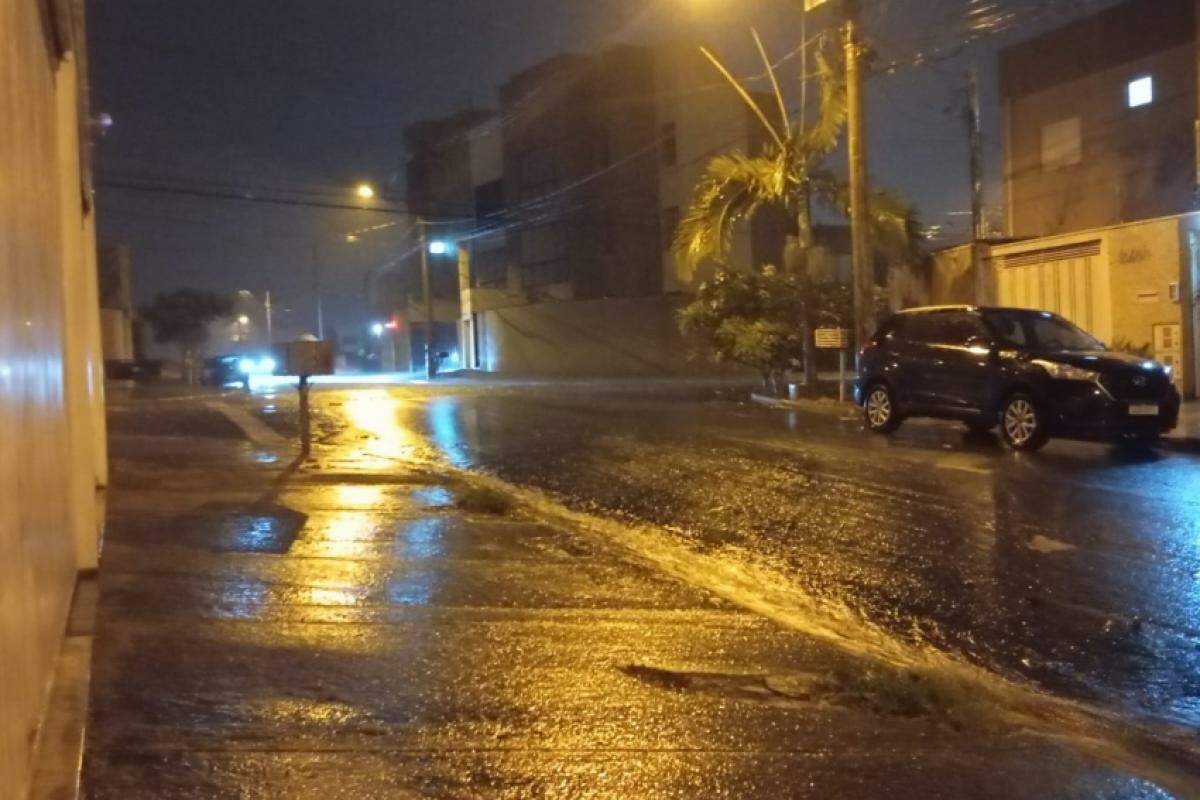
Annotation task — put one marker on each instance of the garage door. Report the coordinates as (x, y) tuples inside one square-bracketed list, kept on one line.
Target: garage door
[(1067, 280)]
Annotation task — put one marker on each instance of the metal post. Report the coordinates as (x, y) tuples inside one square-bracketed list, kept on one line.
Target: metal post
[(860, 234), (842, 375), (428, 291), (305, 425)]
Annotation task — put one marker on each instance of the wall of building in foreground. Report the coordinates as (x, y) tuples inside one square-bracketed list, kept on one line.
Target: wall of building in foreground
[(51, 442), (625, 337)]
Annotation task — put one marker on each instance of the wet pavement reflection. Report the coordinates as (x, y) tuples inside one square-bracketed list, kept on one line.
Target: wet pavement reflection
[(1078, 567)]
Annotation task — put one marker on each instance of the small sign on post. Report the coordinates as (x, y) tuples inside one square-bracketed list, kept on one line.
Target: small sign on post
[(835, 339), (304, 359)]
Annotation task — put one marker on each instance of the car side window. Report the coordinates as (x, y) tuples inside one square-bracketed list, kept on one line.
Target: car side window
[(925, 328), (960, 327)]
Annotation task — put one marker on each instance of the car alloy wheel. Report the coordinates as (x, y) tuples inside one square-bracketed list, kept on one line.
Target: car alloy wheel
[(1021, 424), (880, 411)]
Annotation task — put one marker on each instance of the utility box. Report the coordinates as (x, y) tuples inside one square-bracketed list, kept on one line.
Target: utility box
[(308, 358)]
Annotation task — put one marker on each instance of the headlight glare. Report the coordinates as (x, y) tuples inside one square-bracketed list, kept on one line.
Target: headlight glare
[(1066, 372)]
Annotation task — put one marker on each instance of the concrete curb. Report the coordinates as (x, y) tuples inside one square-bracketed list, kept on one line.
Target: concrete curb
[(831, 408)]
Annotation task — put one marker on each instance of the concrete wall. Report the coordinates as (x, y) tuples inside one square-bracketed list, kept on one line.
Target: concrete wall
[(49, 373), (587, 338)]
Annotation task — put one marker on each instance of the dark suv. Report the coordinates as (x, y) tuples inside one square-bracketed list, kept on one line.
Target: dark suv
[(1031, 372)]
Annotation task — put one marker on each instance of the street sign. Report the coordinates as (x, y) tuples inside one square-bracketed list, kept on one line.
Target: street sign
[(832, 338), (308, 358)]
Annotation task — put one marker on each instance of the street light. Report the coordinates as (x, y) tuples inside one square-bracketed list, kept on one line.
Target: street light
[(438, 248), (365, 191)]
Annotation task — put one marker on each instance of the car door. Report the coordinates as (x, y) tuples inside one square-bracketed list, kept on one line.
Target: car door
[(912, 353), (961, 362)]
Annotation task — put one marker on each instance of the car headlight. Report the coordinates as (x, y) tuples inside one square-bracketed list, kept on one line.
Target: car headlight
[(267, 366), (1065, 372), (246, 366)]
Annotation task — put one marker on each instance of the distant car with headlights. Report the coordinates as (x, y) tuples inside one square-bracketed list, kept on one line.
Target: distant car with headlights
[(235, 370), (1032, 373)]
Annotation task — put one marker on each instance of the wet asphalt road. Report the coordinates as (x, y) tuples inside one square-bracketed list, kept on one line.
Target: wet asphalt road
[(1077, 568), (373, 624)]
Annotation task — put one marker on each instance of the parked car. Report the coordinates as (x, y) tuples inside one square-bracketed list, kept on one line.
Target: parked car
[(1032, 373)]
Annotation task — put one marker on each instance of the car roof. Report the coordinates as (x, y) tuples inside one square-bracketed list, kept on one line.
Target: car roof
[(938, 309)]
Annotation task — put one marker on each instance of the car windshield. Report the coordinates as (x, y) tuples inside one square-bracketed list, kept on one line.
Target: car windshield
[(1033, 330)]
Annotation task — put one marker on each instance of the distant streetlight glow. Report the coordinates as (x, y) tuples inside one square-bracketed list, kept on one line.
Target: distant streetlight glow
[(365, 191), (243, 320), (438, 248), (377, 329)]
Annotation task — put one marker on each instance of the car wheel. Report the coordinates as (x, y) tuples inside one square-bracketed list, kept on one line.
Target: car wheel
[(1022, 424), (879, 409), (980, 426)]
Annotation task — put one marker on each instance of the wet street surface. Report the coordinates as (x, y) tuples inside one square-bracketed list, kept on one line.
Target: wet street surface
[(377, 623)]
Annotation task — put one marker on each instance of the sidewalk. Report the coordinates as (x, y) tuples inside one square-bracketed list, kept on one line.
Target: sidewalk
[(364, 628)]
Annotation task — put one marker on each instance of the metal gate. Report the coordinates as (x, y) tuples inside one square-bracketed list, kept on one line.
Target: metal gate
[(1067, 280)]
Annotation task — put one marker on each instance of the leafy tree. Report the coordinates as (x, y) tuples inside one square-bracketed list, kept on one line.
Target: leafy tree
[(183, 317), (788, 174), (750, 317)]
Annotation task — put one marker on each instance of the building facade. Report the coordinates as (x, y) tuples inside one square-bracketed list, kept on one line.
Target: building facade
[(569, 270), (51, 373), (1100, 120)]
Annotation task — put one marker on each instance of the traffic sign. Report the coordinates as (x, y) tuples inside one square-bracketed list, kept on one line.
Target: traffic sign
[(832, 338)]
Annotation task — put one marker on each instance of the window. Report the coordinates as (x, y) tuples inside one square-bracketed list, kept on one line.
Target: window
[(670, 222), (1062, 144), (668, 145), (1141, 91)]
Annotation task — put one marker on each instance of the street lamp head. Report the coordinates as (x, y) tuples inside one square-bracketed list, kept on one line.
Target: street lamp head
[(438, 248), (365, 191), (243, 320), (377, 329)]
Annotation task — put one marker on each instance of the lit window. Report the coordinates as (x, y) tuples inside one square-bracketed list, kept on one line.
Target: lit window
[(1141, 91)]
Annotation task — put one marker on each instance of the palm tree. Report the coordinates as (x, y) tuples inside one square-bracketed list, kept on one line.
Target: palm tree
[(789, 174)]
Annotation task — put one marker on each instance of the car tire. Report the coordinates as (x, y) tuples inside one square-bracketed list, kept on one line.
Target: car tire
[(1021, 423), (879, 409), (980, 426)]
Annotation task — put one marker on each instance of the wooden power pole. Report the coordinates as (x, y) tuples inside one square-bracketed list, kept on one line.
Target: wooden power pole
[(972, 114), (862, 257)]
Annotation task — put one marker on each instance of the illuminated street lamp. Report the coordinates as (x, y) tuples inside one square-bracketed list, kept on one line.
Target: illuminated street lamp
[(365, 191), (438, 248)]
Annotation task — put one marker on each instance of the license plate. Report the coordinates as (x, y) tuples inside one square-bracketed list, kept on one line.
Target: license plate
[(1143, 409)]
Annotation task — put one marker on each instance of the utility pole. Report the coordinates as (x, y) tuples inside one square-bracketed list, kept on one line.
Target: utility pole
[(317, 290), (267, 309), (860, 233), (427, 289), (972, 116)]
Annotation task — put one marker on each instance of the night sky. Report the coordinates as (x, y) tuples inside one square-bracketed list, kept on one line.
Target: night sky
[(304, 98)]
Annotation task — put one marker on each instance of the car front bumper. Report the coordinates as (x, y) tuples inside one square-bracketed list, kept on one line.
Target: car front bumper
[(1088, 411)]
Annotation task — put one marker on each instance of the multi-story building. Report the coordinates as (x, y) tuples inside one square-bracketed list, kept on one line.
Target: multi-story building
[(441, 194), (569, 271), (51, 383), (1100, 120)]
